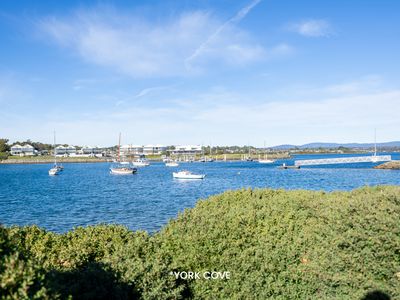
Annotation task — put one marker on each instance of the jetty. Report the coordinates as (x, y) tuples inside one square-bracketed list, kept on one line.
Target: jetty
[(343, 160)]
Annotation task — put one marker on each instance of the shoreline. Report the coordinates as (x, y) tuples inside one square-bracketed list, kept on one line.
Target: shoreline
[(45, 161)]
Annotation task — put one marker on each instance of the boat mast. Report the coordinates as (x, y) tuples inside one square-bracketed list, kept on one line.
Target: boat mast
[(265, 152), (54, 147), (375, 143), (119, 144)]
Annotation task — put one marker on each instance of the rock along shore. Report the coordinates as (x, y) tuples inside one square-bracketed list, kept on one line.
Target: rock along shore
[(391, 165)]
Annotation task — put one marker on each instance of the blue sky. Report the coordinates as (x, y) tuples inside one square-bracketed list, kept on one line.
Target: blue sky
[(200, 72)]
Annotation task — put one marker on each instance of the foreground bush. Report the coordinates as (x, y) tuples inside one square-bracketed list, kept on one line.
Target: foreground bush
[(274, 243)]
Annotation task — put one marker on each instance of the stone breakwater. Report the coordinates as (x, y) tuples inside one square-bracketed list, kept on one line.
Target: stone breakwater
[(391, 165)]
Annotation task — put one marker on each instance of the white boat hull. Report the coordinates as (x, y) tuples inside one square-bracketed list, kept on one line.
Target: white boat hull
[(266, 161), (140, 164), (188, 176), (54, 171), (172, 164), (120, 171)]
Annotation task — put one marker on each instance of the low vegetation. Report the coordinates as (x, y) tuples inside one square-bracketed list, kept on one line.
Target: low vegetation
[(275, 244)]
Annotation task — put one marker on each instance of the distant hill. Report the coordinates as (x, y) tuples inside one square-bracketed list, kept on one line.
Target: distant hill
[(337, 145)]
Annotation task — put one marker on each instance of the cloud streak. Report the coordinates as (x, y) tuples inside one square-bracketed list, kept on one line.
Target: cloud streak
[(140, 48), (237, 18)]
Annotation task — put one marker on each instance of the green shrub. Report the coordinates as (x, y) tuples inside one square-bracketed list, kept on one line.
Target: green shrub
[(275, 244), (3, 155), (20, 276)]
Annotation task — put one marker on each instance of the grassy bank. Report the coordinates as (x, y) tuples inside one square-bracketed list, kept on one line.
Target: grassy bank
[(49, 159), (275, 244)]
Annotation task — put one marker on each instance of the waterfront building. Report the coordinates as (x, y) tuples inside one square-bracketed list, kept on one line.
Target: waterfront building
[(90, 151), (24, 150), (154, 149), (65, 150), (128, 150), (186, 150)]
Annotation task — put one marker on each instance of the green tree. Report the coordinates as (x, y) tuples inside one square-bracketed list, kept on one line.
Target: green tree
[(4, 147)]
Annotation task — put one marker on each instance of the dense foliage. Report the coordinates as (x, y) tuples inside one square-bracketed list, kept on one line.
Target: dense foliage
[(4, 148), (275, 244)]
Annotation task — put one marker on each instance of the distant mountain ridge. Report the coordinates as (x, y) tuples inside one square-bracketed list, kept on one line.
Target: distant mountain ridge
[(337, 145)]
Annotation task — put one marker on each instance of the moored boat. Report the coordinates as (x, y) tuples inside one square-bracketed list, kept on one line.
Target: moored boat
[(266, 161), (172, 164), (56, 169), (141, 162), (187, 175), (121, 168)]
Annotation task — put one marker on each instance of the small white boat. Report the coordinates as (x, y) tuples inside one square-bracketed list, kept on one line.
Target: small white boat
[(121, 167), (187, 175), (172, 164), (122, 170), (54, 171), (141, 162), (266, 161)]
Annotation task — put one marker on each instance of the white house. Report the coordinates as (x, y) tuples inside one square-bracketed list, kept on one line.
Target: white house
[(24, 150), (126, 150), (154, 149), (65, 151), (186, 150), (90, 151)]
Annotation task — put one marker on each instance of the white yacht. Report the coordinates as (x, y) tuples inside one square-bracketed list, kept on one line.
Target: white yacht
[(121, 168), (374, 158), (141, 162), (56, 169), (171, 164), (265, 160), (187, 175)]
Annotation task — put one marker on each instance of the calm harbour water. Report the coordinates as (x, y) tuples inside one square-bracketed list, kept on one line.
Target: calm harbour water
[(86, 194)]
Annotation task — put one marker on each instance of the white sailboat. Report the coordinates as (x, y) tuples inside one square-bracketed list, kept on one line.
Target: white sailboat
[(56, 169), (248, 158), (265, 160), (121, 168), (374, 158)]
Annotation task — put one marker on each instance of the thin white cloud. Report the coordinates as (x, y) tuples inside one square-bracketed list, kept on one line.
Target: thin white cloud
[(237, 18), (143, 48), (312, 28), (147, 91)]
